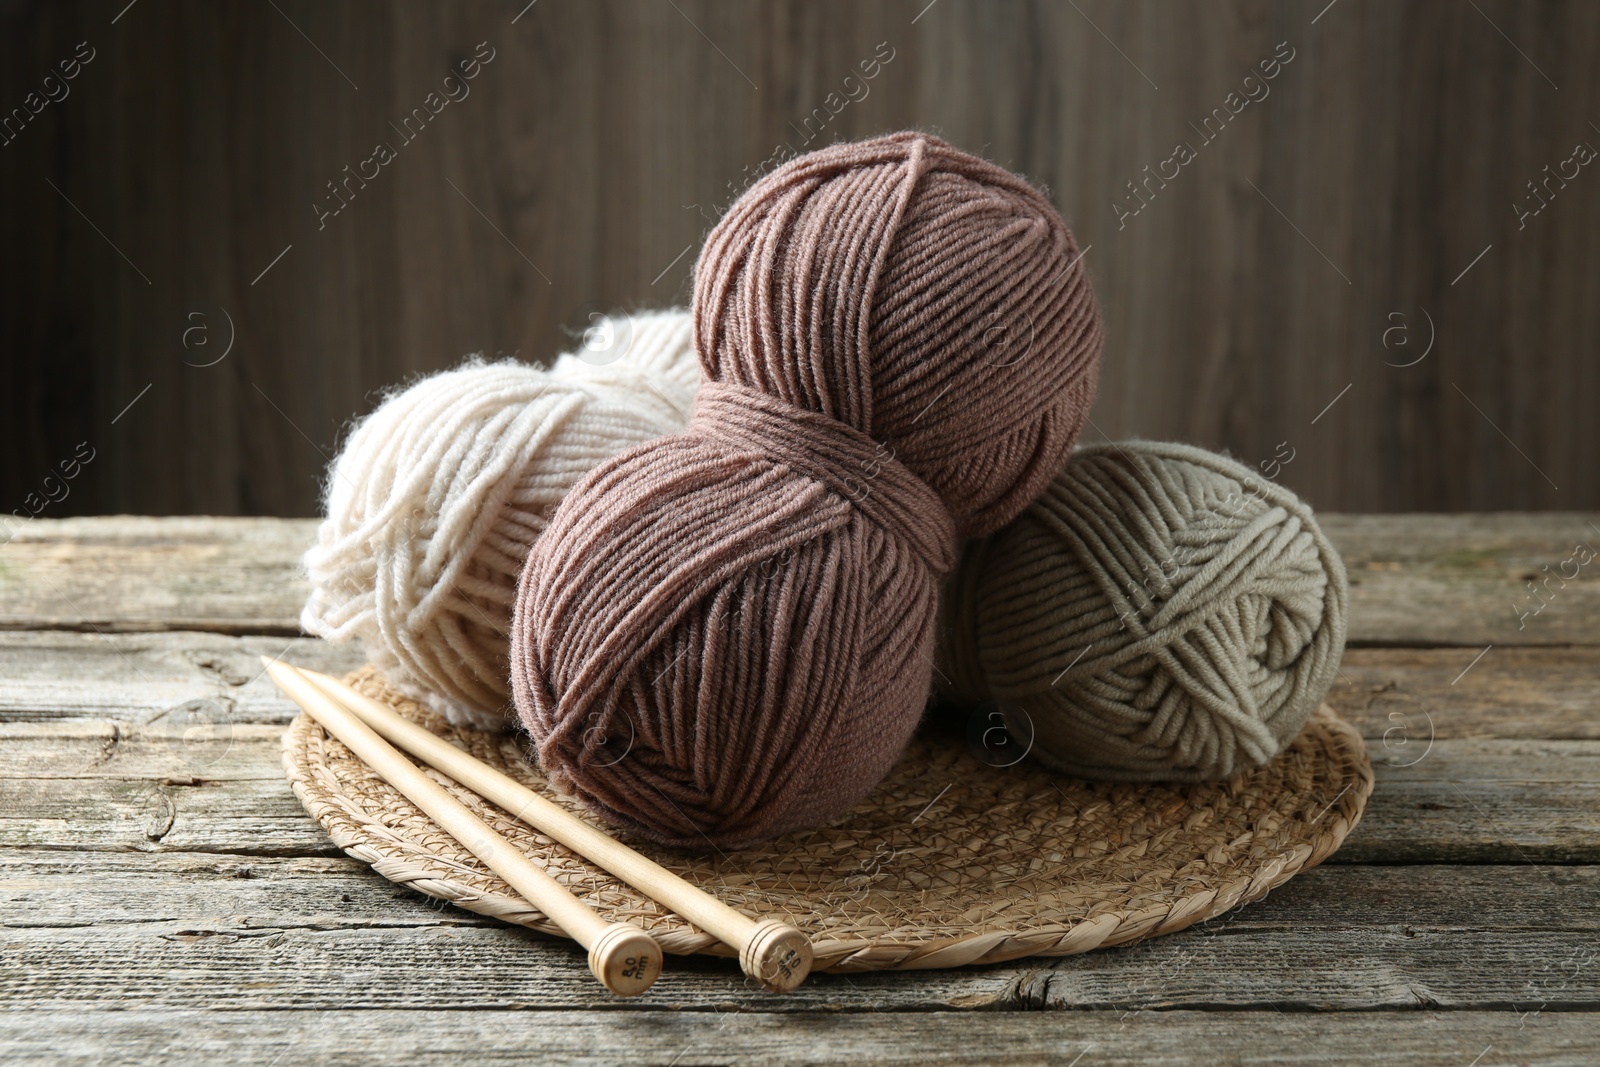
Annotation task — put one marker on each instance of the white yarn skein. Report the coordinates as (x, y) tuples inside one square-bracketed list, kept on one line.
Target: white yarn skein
[(438, 494)]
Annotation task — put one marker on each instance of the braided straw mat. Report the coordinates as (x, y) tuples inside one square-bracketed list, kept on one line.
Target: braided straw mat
[(951, 861)]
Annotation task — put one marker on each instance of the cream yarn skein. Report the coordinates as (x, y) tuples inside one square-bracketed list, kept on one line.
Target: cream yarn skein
[(1161, 613), (438, 494)]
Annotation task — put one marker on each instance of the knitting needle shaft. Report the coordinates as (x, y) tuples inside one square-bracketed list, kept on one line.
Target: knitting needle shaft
[(625, 958), (774, 953)]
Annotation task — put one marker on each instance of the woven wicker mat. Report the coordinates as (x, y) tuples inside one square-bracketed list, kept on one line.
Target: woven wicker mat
[(950, 862)]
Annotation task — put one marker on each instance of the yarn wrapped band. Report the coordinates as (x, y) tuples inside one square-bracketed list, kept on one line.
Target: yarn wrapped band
[(1160, 613), (437, 495), (728, 633), (844, 460)]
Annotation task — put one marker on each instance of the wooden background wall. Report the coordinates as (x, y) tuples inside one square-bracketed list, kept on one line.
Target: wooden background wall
[(603, 139)]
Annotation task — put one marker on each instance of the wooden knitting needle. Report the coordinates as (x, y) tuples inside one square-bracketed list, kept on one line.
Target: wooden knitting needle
[(775, 954), (625, 958)]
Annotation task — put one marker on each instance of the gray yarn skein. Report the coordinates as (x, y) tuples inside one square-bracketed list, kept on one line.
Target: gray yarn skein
[(1161, 613)]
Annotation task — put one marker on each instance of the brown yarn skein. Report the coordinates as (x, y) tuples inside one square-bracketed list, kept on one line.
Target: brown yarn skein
[(727, 633)]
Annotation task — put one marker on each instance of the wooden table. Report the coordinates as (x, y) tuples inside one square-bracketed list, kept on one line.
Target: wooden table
[(164, 896)]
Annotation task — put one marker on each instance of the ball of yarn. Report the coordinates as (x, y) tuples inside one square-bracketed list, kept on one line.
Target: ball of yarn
[(1161, 612), (728, 633), (437, 495)]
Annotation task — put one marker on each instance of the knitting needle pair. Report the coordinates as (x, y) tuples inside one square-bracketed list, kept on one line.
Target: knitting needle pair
[(625, 959)]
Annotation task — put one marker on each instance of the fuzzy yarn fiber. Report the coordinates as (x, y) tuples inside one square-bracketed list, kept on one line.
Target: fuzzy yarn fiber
[(437, 495)]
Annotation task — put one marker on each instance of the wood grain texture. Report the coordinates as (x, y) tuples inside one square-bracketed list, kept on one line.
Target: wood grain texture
[(164, 896), (135, 573), (176, 965), (715, 1037), (205, 787), (180, 678), (1250, 291), (1514, 579), (248, 817), (1400, 698), (1415, 579), (54, 888)]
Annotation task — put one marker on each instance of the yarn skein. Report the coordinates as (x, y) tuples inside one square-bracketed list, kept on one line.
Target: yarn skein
[(1160, 613), (437, 495), (728, 633)]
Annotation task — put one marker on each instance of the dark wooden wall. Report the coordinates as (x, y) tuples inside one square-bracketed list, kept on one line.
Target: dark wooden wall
[(603, 139)]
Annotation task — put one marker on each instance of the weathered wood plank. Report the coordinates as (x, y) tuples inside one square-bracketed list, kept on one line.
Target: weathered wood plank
[(231, 906), (1537, 924), (1396, 694), (184, 676), (1465, 579), (48, 888), (450, 1037), (216, 752), (88, 786), (1482, 802), (1416, 579), (1401, 697), (53, 888), (235, 966), (127, 572), (437, 967), (253, 817)]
